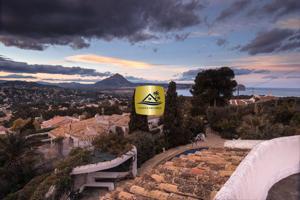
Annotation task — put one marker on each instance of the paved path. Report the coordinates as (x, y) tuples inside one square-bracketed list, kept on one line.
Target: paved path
[(212, 140)]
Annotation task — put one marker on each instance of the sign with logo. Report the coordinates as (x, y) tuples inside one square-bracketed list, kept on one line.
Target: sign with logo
[(149, 100)]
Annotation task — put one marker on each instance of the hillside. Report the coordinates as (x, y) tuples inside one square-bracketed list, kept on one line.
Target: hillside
[(115, 81)]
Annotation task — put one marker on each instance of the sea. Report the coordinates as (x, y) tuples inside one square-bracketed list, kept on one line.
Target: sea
[(278, 92)]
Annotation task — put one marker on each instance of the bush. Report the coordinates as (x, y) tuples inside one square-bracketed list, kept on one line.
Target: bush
[(27, 191), (145, 144), (225, 120), (2, 114), (61, 178), (295, 120), (114, 144)]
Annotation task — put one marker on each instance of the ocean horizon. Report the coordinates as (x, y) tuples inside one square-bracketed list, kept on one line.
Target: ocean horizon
[(278, 92)]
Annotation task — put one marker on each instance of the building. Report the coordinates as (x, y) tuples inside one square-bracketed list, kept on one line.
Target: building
[(58, 121), (106, 173), (3, 130), (253, 99), (82, 133), (197, 175)]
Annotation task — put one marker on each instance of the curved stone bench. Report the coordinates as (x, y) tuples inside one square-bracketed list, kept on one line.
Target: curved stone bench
[(266, 164)]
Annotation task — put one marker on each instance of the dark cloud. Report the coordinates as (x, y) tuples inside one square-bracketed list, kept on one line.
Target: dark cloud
[(181, 37), (138, 79), (8, 65), (281, 7), (36, 24), (235, 8), (191, 74), (271, 77), (17, 76), (294, 77), (273, 41), (72, 80), (221, 41), (129, 78), (274, 9)]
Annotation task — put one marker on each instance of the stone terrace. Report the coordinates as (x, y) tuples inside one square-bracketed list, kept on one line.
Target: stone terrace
[(195, 176)]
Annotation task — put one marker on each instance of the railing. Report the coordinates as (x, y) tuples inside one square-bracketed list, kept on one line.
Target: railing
[(266, 164)]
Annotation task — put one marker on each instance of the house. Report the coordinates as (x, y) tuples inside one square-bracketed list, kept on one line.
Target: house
[(104, 173), (58, 121), (3, 130), (253, 99), (153, 122), (241, 102), (114, 122), (192, 175), (82, 133)]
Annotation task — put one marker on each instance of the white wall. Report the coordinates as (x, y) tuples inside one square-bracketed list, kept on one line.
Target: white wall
[(266, 164)]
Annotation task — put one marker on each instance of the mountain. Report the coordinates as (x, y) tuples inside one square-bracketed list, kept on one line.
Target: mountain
[(25, 84), (115, 81)]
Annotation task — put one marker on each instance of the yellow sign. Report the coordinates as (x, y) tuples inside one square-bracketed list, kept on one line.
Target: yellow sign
[(149, 100)]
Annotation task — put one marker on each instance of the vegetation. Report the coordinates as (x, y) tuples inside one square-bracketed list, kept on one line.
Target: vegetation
[(114, 144), (173, 119), (213, 87), (27, 191), (147, 145), (265, 120), (61, 177), (137, 122), (2, 114), (17, 161)]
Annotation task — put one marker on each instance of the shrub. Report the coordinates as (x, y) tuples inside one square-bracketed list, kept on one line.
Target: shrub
[(145, 144), (295, 120), (225, 120), (61, 178), (114, 144), (27, 191)]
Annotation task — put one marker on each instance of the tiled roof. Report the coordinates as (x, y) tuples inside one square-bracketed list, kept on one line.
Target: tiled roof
[(3, 129), (84, 130), (58, 121), (89, 128), (118, 120), (194, 176)]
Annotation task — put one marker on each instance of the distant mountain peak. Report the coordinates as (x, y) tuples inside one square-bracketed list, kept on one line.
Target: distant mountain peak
[(116, 80)]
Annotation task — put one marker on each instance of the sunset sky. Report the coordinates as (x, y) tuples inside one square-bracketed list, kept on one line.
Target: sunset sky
[(158, 40)]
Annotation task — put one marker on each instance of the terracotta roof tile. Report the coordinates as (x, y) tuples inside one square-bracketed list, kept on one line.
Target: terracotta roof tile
[(195, 176)]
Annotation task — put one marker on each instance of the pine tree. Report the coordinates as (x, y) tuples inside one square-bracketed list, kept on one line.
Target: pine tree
[(137, 122), (213, 87), (173, 131)]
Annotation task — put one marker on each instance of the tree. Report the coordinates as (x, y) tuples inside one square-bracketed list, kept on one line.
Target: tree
[(173, 131), (17, 161), (137, 122), (213, 87)]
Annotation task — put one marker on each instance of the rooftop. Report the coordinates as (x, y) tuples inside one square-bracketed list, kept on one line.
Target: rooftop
[(194, 176), (58, 121), (89, 128)]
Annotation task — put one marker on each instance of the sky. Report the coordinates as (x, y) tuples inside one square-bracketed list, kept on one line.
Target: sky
[(159, 40)]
